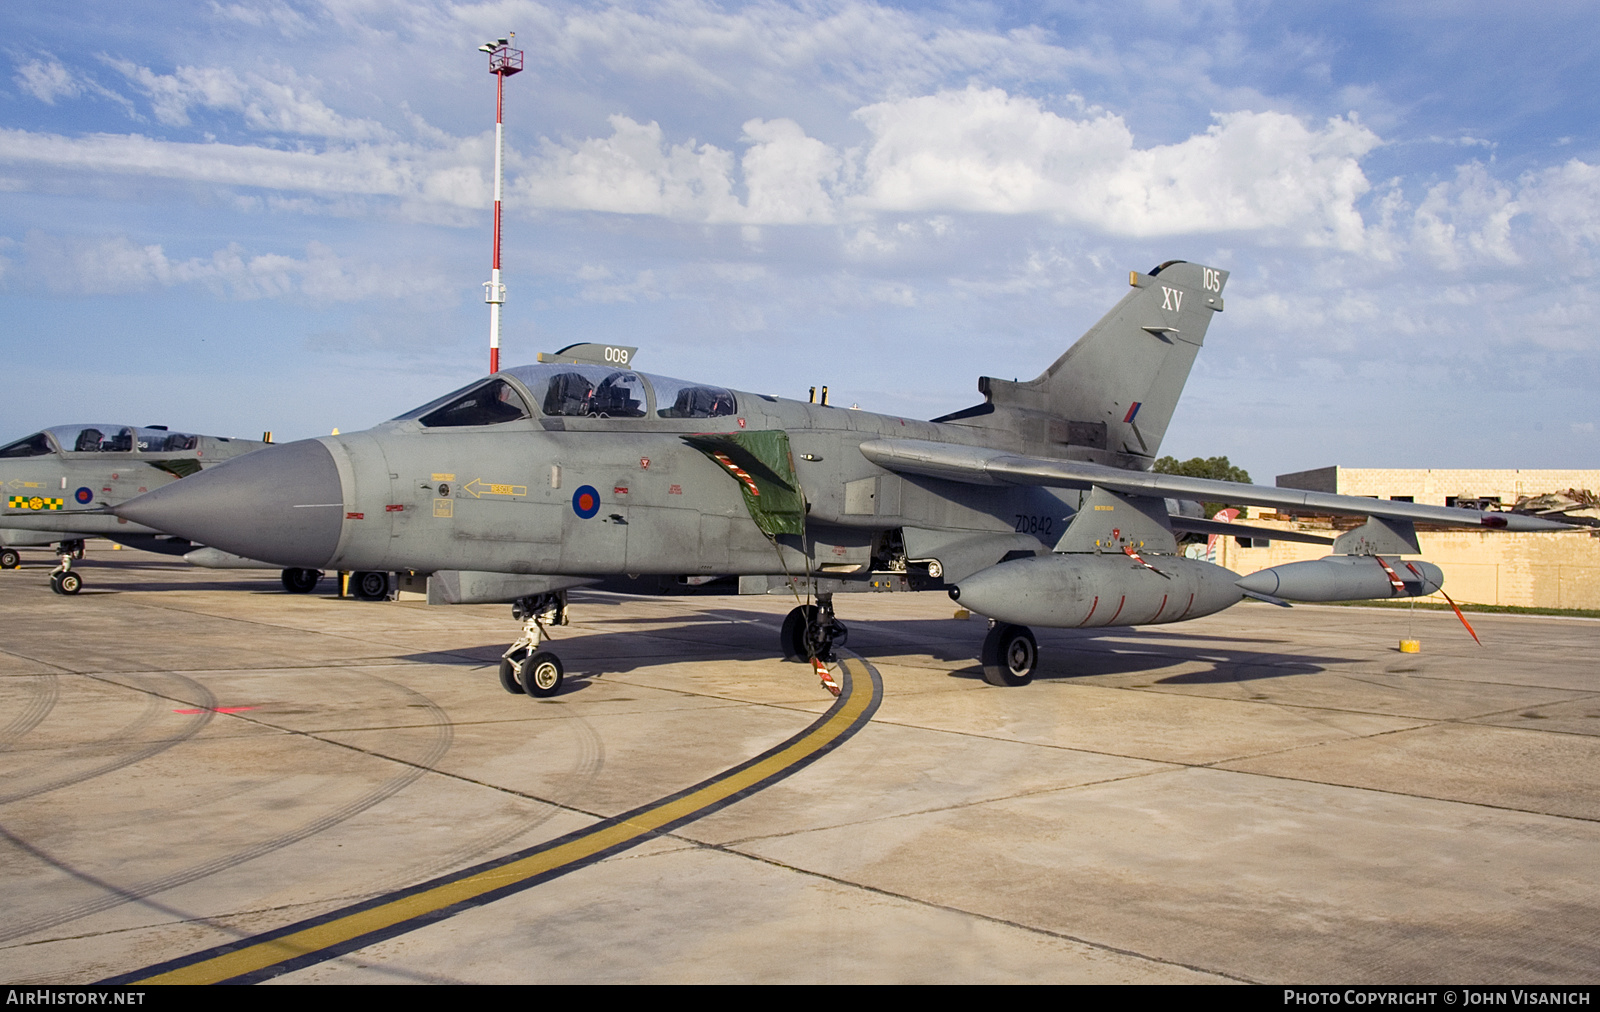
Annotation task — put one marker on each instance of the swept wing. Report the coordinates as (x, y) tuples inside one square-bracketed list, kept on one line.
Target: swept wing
[(977, 465)]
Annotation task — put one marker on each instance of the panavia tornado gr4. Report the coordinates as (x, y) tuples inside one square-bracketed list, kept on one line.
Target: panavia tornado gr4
[(57, 483), (1035, 508)]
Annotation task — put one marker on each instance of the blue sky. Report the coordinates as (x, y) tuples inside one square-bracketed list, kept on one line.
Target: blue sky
[(232, 217)]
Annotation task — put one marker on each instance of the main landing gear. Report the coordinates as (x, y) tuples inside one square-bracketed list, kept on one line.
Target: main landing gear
[(62, 579), (1010, 655), (810, 631), (301, 581), (524, 668), (369, 586)]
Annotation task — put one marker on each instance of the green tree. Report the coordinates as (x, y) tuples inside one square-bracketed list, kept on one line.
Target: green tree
[(1215, 468)]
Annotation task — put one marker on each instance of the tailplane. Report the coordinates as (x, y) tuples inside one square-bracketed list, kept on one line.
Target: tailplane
[(1110, 397)]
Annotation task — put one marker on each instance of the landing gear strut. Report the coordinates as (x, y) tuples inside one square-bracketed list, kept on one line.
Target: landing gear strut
[(62, 579), (810, 631), (1009, 655), (524, 668)]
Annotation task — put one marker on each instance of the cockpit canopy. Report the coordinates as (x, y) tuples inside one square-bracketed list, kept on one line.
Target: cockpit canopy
[(574, 391), (100, 439)]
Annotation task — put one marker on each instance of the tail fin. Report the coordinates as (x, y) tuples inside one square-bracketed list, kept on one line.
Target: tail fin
[(1110, 397)]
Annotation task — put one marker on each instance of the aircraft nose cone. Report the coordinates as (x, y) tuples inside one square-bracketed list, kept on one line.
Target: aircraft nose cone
[(283, 505)]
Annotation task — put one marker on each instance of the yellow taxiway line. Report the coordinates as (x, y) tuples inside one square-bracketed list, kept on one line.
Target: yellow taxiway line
[(333, 934)]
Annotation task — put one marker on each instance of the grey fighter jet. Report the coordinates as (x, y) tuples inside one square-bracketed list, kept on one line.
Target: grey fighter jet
[(1036, 507), (57, 483)]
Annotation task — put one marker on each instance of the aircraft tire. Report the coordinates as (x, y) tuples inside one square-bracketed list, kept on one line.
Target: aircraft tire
[(370, 586), (793, 636), (301, 581), (541, 675), (508, 672), (9, 559), (67, 583), (1010, 655)]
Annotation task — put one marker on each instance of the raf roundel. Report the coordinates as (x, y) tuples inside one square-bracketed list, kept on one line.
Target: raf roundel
[(586, 501), (85, 496)]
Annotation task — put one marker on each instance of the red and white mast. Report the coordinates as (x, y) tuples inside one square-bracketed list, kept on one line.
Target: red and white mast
[(503, 62)]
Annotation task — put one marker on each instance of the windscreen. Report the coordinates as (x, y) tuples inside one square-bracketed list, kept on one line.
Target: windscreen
[(36, 445), (489, 404)]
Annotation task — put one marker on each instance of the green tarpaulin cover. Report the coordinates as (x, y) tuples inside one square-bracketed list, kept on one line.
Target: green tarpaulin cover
[(764, 468)]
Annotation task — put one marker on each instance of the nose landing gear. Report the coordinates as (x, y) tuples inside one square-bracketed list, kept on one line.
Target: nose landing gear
[(62, 579), (811, 631), (524, 668)]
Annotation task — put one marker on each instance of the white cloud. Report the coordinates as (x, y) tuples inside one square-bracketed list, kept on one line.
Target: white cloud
[(850, 51), (117, 265), (261, 13), (1567, 197), (984, 150), (1467, 217), (635, 171), (976, 150), (47, 80), (396, 170), (1474, 218), (788, 175), (272, 106)]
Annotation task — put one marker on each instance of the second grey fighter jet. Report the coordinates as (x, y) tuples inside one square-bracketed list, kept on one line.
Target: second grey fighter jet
[(58, 481), (1036, 507)]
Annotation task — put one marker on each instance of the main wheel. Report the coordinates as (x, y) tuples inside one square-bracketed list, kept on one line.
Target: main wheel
[(370, 586), (66, 583), (508, 671), (793, 636), (1009, 655), (541, 674), (9, 559), (301, 581)]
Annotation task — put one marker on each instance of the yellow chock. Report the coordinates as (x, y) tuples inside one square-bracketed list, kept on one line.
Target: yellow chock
[(963, 613), (116, 547), (1411, 646)]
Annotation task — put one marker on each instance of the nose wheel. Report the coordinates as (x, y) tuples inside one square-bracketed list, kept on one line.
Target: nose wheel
[(524, 668), (812, 631), (9, 559)]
